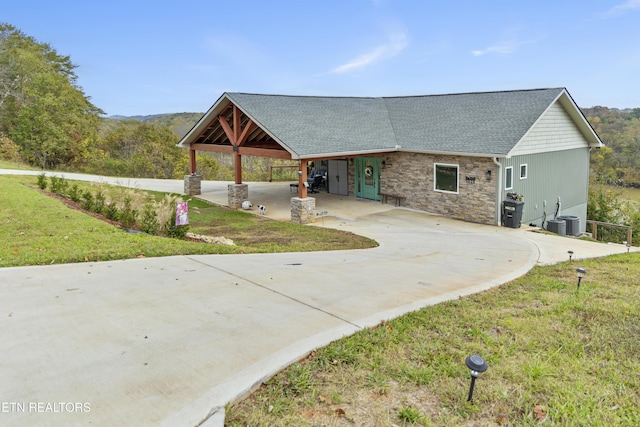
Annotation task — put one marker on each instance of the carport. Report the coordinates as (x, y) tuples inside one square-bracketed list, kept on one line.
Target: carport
[(226, 128), (346, 137)]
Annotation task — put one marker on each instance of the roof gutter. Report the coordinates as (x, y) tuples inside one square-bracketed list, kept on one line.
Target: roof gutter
[(396, 149), (451, 153), (340, 154)]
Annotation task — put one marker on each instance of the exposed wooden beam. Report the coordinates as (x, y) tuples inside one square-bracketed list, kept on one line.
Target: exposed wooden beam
[(302, 179), (192, 160), (265, 152), (237, 138), (212, 134), (244, 151), (237, 167), (213, 148), (236, 125), (245, 132), (227, 129), (237, 158)]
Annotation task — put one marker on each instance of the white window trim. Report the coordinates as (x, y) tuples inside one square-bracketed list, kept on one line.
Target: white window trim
[(435, 167), (526, 171), (506, 186)]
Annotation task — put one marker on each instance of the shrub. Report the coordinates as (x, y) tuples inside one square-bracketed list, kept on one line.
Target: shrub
[(111, 211), (74, 193), (604, 204), (633, 212), (149, 220), (42, 181), (87, 200), (58, 185), (128, 215), (99, 202), (170, 229)]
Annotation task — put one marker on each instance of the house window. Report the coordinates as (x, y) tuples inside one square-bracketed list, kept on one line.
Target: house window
[(446, 178), (508, 178), (523, 171)]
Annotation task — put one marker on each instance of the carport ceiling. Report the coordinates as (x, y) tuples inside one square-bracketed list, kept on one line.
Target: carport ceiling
[(214, 134)]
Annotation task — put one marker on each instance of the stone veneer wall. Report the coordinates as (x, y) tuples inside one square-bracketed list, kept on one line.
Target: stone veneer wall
[(236, 194), (303, 210), (411, 175), (192, 185), (351, 177)]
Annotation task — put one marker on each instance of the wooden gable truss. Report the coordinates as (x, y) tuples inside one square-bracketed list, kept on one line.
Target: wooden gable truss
[(233, 132)]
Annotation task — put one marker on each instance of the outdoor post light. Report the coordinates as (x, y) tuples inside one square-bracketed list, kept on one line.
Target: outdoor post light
[(581, 272), (476, 365), (627, 245), (570, 255)]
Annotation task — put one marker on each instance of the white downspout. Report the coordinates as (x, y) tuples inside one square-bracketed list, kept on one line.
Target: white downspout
[(495, 160)]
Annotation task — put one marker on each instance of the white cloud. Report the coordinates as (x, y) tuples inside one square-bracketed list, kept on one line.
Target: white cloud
[(397, 43), (623, 7), (504, 48)]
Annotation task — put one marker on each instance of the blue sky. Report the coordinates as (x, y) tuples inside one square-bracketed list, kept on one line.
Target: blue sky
[(150, 57)]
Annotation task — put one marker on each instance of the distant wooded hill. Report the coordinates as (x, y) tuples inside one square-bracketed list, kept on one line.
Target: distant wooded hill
[(179, 123), (619, 162)]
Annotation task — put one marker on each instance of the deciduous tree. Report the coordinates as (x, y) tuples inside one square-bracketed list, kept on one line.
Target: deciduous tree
[(43, 109)]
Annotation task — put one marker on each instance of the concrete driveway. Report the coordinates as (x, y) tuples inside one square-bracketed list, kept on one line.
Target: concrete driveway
[(168, 341)]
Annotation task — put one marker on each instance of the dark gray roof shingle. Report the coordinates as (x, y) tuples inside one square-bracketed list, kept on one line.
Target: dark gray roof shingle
[(314, 125), (485, 123), (473, 123)]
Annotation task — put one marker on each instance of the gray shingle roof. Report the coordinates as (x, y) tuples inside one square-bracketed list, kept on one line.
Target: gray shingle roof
[(485, 123), (472, 123), (315, 125)]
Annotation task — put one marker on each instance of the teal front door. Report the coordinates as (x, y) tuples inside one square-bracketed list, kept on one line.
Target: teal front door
[(368, 178)]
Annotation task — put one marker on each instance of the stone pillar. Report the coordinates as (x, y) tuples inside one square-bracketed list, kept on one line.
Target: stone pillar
[(303, 211), (192, 185), (237, 193)]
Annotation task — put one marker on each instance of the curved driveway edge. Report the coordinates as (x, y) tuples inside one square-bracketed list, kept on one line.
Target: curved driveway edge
[(169, 341)]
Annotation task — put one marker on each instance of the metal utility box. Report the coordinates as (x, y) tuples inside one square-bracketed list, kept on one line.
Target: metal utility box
[(558, 226), (573, 224)]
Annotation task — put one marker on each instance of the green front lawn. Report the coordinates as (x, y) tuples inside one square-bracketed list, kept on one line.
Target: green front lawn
[(557, 357), (38, 229)]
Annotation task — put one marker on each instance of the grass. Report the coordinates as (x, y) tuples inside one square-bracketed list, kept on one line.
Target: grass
[(555, 354), (628, 193), (253, 233), (38, 229), (5, 164)]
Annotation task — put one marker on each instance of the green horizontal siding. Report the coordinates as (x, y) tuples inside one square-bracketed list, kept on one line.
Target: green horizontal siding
[(563, 174)]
